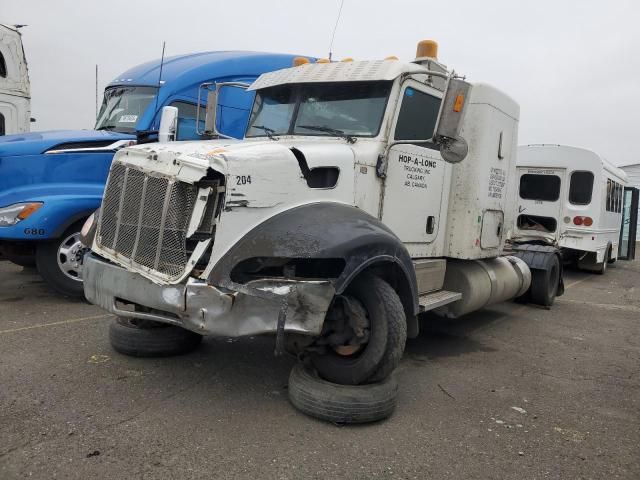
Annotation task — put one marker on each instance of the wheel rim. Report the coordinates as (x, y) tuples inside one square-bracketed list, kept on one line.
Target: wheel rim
[(70, 256), (352, 335)]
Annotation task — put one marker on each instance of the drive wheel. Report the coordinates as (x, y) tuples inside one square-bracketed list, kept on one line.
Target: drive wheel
[(60, 262), (364, 334), (341, 403), (544, 283), (147, 338)]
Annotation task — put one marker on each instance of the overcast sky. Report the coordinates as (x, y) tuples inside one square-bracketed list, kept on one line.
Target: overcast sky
[(573, 66)]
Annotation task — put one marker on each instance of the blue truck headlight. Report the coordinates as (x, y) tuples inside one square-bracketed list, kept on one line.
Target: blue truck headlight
[(12, 214)]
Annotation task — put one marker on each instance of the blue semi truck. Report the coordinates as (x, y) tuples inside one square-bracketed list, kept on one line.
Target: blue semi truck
[(50, 182)]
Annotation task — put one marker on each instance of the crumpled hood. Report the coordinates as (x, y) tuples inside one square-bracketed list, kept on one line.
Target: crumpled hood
[(35, 143)]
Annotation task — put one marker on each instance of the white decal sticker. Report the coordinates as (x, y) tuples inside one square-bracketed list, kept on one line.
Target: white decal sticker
[(128, 119), (497, 179), (416, 170)]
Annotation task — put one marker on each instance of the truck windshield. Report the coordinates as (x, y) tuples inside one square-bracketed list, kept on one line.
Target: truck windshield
[(122, 107), (354, 109)]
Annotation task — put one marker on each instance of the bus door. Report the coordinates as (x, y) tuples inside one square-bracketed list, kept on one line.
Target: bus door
[(539, 202), (627, 249)]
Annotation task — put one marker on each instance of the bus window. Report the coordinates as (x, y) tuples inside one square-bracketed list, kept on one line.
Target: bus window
[(581, 188), (614, 196), (535, 222), (540, 187)]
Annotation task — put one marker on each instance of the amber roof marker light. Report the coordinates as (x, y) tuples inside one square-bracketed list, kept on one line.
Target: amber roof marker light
[(297, 61), (427, 49)]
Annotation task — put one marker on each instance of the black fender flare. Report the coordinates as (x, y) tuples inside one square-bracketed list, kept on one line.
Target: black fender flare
[(328, 230)]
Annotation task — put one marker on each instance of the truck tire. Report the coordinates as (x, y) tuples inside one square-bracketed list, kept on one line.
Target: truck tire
[(59, 262), (336, 403), (381, 355), (396, 340), (147, 338), (544, 283)]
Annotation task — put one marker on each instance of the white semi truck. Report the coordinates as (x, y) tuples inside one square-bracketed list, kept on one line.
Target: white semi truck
[(364, 194), (15, 95)]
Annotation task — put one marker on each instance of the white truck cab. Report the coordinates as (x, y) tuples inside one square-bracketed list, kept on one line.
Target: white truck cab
[(364, 194), (15, 95)]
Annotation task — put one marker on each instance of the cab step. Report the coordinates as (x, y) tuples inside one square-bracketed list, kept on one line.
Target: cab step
[(437, 299)]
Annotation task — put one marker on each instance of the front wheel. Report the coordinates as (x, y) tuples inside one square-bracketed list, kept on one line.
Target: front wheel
[(60, 262), (364, 334)]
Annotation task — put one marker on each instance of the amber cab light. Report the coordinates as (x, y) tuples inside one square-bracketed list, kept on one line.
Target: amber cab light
[(577, 220)]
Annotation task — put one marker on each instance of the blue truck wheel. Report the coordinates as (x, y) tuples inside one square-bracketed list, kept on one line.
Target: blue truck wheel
[(60, 262)]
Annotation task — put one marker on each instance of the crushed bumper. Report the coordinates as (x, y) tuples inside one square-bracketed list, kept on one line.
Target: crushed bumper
[(251, 310)]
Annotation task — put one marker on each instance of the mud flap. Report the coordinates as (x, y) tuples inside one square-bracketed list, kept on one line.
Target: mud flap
[(537, 258)]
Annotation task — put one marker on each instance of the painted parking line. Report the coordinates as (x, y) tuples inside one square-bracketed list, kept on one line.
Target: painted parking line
[(62, 322), (573, 284)]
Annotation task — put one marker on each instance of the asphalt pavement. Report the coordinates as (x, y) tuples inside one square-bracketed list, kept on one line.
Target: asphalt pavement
[(512, 392)]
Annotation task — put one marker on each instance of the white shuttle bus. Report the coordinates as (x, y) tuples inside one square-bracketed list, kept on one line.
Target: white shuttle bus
[(15, 95), (571, 198)]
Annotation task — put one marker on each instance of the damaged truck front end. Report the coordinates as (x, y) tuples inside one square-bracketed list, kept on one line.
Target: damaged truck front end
[(153, 243)]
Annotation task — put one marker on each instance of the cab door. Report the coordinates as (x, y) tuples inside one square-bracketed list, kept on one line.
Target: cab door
[(415, 171), (539, 202)]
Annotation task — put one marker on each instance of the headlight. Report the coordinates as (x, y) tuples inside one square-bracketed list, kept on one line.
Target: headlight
[(12, 214)]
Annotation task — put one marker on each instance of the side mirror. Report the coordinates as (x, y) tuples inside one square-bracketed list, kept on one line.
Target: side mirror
[(213, 89), (453, 147), (168, 125)]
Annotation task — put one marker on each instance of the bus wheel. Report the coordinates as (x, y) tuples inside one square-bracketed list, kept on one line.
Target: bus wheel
[(601, 268)]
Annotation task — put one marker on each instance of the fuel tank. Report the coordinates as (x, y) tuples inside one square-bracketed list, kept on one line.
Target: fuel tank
[(483, 283)]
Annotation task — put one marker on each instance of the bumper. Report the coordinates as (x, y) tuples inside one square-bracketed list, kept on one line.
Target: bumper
[(208, 310)]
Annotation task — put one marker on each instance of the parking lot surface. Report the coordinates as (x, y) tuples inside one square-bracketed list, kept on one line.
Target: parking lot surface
[(512, 392)]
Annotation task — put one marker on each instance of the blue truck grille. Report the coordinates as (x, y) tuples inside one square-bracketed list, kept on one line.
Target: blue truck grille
[(144, 220)]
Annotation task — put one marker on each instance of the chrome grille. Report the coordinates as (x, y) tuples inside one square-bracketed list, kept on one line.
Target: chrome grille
[(144, 220)]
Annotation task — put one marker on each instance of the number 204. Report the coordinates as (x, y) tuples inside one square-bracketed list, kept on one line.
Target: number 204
[(243, 179)]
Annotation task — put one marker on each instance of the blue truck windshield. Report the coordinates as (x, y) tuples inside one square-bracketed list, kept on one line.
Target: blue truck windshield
[(122, 107), (329, 109)]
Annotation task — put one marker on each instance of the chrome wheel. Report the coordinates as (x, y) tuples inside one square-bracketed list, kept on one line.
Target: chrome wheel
[(70, 255)]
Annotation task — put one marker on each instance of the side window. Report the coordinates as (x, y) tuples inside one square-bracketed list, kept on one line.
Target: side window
[(618, 198), (614, 196), (418, 115), (3, 66), (2, 127), (581, 188), (187, 120), (620, 193)]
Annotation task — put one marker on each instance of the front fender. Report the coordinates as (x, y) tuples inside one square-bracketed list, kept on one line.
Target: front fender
[(58, 212), (325, 231)]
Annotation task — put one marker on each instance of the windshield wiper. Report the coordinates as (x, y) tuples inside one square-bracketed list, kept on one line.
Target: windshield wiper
[(334, 131), (269, 131), (107, 127)]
